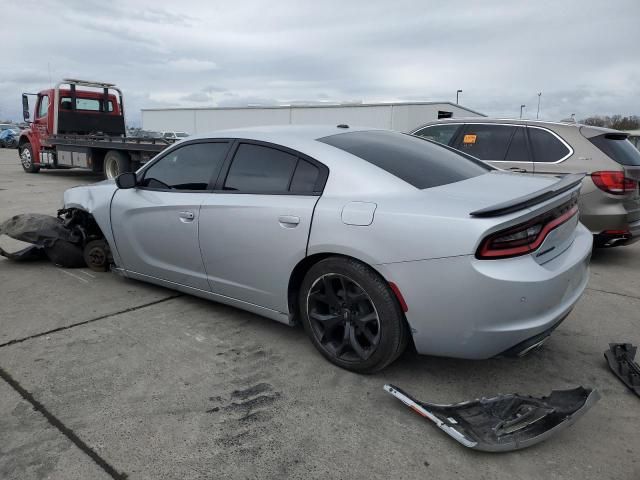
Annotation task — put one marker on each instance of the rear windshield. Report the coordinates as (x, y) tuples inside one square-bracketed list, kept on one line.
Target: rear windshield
[(417, 161), (618, 148)]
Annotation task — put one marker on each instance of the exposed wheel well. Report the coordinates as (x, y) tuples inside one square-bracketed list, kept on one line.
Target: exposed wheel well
[(83, 221)]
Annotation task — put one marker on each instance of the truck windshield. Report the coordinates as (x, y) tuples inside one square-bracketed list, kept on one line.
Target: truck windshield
[(618, 148)]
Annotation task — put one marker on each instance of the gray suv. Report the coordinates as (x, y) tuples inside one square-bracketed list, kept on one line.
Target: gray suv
[(610, 197)]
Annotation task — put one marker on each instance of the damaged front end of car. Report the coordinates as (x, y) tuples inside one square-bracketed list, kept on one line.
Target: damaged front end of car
[(72, 239), (504, 422)]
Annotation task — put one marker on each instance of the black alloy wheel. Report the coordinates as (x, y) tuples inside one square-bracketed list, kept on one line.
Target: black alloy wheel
[(351, 315), (343, 317)]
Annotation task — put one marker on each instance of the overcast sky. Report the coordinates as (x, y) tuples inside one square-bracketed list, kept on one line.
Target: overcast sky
[(583, 55)]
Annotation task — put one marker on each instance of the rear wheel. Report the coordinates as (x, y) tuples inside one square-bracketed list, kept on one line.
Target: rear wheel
[(26, 158), (115, 163), (351, 315)]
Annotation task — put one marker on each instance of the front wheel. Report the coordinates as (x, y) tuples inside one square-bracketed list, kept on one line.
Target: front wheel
[(26, 159), (351, 315)]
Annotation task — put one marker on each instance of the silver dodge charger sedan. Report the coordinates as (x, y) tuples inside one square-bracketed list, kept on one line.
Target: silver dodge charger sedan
[(369, 238)]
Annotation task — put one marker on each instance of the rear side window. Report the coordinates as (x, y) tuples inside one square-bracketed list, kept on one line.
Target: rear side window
[(517, 151), (190, 167), (546, 147), (85, 104), (618, 148), (259, 169), (418, 162), (305, 177), (439, 133), (486, 142), (262, 169)]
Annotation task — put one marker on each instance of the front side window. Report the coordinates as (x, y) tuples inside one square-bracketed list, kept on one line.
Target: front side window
[(546, 147), (412, 159), (486, 142), (190, 167), (439, 133), (44, 106)]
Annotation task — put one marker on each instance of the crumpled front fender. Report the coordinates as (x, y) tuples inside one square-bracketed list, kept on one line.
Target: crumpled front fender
[(96, 199)]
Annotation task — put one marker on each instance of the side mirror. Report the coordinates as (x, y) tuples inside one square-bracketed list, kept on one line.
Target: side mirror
[(126, 180), (25, 107)]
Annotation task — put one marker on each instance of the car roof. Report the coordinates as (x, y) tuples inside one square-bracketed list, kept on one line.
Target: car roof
[(280, 133), (518, 121)]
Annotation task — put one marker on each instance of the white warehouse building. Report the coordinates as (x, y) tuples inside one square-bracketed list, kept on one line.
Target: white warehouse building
[(402, 117)]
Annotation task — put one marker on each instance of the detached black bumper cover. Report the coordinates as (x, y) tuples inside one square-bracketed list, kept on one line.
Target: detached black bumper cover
[(620, 359), (505, 422), (49, 236)]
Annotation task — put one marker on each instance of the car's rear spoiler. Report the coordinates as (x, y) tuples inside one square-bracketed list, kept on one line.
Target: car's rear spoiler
[(565, 183)]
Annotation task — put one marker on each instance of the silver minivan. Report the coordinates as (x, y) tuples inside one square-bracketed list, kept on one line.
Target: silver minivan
[(610, 196)]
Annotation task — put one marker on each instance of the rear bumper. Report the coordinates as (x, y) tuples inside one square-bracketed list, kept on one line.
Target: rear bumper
[(477, 309), (614, 238), (614, 220)]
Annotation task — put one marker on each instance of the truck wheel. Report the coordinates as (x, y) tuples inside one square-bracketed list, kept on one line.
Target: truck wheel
[(115, 163), (26, 158)]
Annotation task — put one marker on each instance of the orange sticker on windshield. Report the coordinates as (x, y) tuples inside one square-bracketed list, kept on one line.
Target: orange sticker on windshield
[(469, 138)]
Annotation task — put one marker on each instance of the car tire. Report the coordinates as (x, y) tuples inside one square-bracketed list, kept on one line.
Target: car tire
[(26, 159), (97, 255), (115, 163), (351, 315)]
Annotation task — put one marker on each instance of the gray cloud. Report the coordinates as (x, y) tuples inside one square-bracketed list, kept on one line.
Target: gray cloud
[(581, 54)]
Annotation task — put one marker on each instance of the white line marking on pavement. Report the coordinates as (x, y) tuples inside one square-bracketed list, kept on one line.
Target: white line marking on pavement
[(87, 274), (75, 276)]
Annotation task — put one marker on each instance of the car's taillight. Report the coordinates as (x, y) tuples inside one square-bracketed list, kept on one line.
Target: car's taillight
[(525, 238), (613, 182)]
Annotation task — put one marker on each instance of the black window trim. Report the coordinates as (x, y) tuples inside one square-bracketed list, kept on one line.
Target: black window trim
[(214, 177), (226, 166)]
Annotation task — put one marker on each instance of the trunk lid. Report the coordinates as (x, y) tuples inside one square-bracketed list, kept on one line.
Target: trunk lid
[(500, 201)]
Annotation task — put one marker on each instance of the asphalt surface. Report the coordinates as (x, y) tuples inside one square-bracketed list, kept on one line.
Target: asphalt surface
[(103, 377)]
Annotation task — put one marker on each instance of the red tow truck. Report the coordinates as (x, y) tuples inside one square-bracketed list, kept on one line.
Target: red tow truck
[(82, 128)]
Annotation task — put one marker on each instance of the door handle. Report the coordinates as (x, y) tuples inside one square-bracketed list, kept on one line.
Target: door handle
[(186, 216), (518, 170), (289, 221)]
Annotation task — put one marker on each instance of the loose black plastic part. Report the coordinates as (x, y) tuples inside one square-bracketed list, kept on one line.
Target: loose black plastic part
[(505, 422), (620, 358), (564, 184), (343, 125)]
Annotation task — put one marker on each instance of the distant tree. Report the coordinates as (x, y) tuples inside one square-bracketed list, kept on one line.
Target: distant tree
[(594, 121), (617, 122)]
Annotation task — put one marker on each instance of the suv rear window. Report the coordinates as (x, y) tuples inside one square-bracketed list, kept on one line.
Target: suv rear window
[(618, 148), (419, 162)]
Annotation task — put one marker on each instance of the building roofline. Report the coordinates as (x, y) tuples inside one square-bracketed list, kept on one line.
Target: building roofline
[(327, 105)]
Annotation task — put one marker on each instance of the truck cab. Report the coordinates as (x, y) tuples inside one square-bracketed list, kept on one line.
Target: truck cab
[(81, 128)]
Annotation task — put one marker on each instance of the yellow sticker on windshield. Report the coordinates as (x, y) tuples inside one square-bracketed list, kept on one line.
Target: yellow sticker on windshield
[(469, 138)]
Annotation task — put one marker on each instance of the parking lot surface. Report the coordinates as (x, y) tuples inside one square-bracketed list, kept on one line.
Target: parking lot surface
[(138, 381)]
